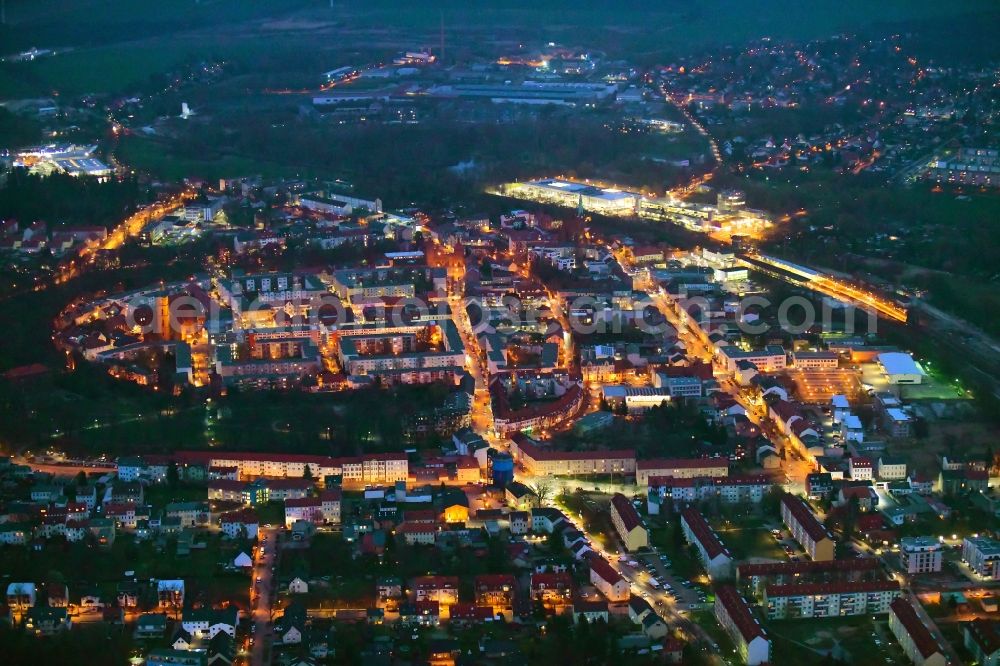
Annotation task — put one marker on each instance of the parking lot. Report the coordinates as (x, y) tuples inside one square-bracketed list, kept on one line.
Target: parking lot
[(654, 569)]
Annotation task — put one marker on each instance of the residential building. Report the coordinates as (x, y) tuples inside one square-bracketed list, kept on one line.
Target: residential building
[(240, 524), (520, 522), (628, 524), (891, 469), (807, 600), (443, 589), (540, 462), (46, 621), (920, 554), (734, 615), (755, 576), (608, 581), (715, 557), (415, 533), (21, 596), (170, 657), (205, 623), (680, 468), (554, 590), (819, 485), (815, 539), (730, 489), (170, 593), (913, 635), (496, 591), (982, 639), (861, 468), (983, 556)]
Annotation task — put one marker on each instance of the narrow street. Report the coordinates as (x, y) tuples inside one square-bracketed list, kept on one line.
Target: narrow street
[(262, 590)]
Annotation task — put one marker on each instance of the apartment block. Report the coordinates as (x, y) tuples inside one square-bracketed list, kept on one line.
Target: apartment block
[(815, 539)]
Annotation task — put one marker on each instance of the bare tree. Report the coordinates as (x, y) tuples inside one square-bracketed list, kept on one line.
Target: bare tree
[(543, 492)]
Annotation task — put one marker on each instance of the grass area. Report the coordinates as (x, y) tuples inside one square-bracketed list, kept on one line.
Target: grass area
[(748, 542), (851, 638), (158, 496), (706, 620), (153, 156)]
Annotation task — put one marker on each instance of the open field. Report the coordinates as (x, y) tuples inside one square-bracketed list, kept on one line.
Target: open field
[(119, 44)]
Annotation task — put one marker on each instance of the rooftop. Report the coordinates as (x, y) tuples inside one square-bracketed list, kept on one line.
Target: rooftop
[(739, 611), (917, 630)]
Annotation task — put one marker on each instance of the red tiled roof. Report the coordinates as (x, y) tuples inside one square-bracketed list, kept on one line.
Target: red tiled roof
[(417, 528), (627, 513), (427, 607), (986, 634), (839, 587), (534, 452), (550, 580), (806, 567), (805, 517), (495, 581), (205, 457), (602, 568), (738, 610), (918, 631), (469, 611), (682, 463), (785, 410), (704, 533), (331, 495), (300, 502), (434, 583), (245, 516)]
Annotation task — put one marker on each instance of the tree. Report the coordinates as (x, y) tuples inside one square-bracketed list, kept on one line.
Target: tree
[(81, 478), (173, 477), (543, 492), (307, 472)]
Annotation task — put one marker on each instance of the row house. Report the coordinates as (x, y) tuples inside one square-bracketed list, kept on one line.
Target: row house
[(495, 591), (443, 589), (554, 590)]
